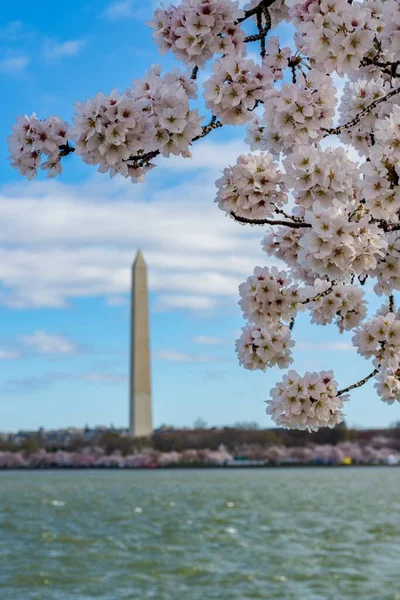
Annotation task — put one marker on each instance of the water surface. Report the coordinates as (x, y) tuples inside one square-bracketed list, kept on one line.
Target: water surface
[(282, 534)]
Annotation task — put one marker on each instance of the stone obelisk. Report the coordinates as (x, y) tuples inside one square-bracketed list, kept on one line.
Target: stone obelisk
[(140, 418)]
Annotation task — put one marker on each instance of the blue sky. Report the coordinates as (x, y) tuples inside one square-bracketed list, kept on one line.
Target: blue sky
[(66, 249)]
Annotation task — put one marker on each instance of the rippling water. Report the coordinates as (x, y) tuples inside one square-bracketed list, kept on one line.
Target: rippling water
[(301, 534)]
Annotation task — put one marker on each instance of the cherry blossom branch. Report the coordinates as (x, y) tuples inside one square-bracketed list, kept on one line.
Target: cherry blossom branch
[(318, 296), (213, 124), (266, 13), (279, 211), (390, 68), (363, 113), (262, 32), (392, 307), (359, 383), (386, 226), (194, 72), (65, 150), (140, 160), (292, 224), (262, 11), (264, 4)]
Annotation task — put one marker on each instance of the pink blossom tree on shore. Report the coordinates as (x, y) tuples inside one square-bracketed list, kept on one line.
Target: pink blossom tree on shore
[(358, 453), (341, 231)]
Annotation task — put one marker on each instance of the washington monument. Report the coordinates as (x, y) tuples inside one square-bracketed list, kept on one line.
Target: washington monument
[(140, 418)]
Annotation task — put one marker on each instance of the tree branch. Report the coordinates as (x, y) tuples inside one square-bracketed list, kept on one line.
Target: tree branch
[(390, 68), (358, 384), (392, 307), (318, 296), (213, 124), (139, 160), (292, 224), (194, 72), (287, 216), (357, 118), (65, 150), (262, 32), (387, 226), (250, 13)]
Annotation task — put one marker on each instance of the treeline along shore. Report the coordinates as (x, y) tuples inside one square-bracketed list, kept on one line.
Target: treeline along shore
[(199, 447)]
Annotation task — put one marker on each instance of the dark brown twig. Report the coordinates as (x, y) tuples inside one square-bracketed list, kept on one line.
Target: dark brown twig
[(318, 296), (264, 4), (262, 32), (65, 150), (358, 384), (357, 118), (389, 68), (194, 72), (292, 224), (391, 303)]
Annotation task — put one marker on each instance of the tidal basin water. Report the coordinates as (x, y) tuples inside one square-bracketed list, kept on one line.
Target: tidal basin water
[(281, 534)]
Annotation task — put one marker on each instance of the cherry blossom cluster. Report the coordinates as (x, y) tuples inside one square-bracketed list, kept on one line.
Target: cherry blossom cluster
[(165, 104), (379, 338), (322, 175), (357, 96), (296, 113), (334, 33), (387, 135), (196, 30), (253, 188), (32, 140), (238, 84), (387, 271), (265, 346), (277, 59), (380, 184), (235, 87), (380, 187), (387, 384), (284, 243), (327, 302), (108, 130), (154, 116), (390, 36), (307, 402), (268, 295), (335, 247)]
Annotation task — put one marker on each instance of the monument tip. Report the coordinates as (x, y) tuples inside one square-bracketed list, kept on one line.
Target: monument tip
[(139, 259)]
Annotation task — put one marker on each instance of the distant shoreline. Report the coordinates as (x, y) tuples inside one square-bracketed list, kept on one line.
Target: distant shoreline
[(199, 467)]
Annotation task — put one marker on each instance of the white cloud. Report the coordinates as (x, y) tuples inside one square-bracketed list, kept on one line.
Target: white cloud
[(130, 9), (16, 64), (209, 340), (185, 357), (49, 343), (113, 378), (210, 155), (173, 301), (55, 50), (12, 31), (59, 242), (38, 382), (9, 355), (120, 10), (117, 301), (335, 346)]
